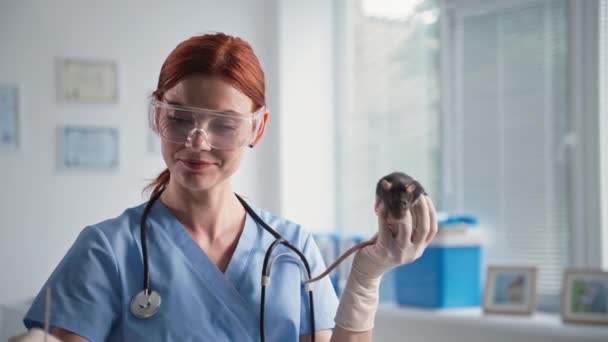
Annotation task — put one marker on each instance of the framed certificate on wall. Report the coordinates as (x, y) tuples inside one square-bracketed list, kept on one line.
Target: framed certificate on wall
[(88, 148), (88, 81), (9, 117)]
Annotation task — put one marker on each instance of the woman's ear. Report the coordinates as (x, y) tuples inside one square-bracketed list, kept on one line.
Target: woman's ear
[(261, 129)]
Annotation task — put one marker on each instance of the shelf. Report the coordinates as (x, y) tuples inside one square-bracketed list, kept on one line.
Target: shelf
[(549, 325)]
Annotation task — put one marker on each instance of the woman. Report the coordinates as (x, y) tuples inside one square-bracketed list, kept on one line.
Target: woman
[(205, 250)]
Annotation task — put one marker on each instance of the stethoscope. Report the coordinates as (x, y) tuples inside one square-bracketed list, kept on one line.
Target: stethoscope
[(147, 302)]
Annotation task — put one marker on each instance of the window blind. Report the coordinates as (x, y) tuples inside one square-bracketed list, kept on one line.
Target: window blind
[(511, 129)]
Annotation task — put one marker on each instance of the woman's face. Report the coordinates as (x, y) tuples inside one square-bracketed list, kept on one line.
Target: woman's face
[(200, 167)]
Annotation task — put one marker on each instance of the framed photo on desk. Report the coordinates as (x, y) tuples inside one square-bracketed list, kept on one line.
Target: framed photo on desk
[(510, 290), (585, 296)]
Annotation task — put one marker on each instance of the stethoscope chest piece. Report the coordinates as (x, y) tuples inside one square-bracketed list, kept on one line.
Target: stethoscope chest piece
[(144, 304)]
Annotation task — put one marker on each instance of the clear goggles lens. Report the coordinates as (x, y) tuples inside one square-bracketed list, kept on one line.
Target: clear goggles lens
[(221, 131)]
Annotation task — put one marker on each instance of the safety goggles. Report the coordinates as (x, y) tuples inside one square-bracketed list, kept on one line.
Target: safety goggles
[(221, 130)]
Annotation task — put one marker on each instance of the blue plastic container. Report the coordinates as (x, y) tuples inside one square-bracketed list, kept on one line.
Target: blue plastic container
[(447, 275), (331, 246), (328, 244)]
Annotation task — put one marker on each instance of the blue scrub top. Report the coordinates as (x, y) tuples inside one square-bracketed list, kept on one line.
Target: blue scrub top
[(93, 285)]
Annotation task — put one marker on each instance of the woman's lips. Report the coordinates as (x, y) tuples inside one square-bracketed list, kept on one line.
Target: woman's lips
[(196, 165)]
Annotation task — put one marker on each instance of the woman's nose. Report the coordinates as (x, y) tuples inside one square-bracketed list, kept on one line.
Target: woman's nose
[(197, 140)]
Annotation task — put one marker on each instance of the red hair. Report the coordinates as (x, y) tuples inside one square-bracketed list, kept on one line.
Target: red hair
[(218, 55)]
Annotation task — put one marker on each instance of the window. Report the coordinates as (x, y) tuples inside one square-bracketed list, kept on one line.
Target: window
[(603, 63), (501, 147), (388, 110), (510, 112)]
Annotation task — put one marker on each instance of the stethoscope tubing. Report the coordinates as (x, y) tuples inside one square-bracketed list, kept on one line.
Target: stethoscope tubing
[(145, 310), (144, 240), (279, 240)]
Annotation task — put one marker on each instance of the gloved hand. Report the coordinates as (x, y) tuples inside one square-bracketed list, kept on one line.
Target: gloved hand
[(34, 335), (398, 241)]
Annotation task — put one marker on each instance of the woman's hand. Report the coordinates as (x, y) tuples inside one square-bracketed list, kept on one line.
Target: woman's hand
[(398, 241), (35, 335)]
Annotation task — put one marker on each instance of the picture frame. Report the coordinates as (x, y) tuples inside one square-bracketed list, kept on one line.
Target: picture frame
[(9, 117), (510, 290), (585, 296), (88, 148), (87, 81)]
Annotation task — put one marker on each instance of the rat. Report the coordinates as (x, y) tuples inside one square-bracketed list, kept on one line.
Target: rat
[(399, 193)]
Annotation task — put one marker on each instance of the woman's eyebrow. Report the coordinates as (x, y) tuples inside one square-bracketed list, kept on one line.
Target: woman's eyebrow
[(175, 103), (228, 111)]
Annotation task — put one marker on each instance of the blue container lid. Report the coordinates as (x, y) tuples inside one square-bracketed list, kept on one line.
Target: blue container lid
[(449, 220)]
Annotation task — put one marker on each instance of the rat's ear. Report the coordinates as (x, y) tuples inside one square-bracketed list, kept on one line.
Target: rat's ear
[(410, 188), (386, 185)]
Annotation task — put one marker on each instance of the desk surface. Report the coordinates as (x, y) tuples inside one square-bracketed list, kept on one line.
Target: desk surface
[(541, 323), (11, 319)]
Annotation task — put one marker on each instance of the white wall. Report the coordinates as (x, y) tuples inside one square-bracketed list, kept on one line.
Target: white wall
[(306, 76), (43, 209), (603, 125)]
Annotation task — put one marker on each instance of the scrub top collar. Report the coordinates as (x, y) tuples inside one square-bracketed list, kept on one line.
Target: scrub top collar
[(161, 217)]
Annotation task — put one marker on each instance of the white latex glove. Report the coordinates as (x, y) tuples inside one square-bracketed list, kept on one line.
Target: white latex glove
[(35, 335), (398, 242)]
